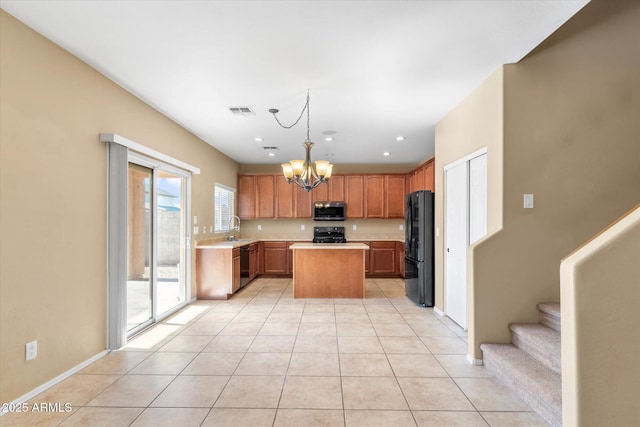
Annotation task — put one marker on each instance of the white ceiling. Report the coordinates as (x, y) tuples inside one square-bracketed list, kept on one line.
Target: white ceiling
[(375, 69)]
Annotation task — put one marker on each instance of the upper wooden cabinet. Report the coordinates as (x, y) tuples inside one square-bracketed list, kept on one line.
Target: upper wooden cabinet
[(422, 178), (394, 190), (265, 196), (374, 200), (354, 195), (384, 196), (284, 198), (246, 196), (332, 191), (336, 188), (303, 201), (366, 196)]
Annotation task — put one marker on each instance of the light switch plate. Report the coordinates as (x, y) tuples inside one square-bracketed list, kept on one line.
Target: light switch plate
[(528, 201), (31, 350)]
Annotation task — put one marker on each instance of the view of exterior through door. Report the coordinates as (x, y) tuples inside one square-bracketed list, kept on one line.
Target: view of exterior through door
[(465, 223), (156, 252)]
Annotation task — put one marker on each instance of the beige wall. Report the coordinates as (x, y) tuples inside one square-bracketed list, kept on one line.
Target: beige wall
[(600, 290), (290, 228), (52, 198), (572, 138), (474, 124)]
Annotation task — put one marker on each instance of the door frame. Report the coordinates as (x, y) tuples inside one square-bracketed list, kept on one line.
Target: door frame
[(462, 160), (119, 152)]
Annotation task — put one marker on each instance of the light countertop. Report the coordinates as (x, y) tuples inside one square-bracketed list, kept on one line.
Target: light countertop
[(329, 246)]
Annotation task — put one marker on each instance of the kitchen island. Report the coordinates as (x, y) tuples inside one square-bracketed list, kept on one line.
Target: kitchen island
[(328, 270)]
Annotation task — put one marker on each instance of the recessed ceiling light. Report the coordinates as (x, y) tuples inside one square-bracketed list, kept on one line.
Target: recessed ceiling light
[(258, 139), (386, 153), (272, 154), (400, 138), (328, 139)]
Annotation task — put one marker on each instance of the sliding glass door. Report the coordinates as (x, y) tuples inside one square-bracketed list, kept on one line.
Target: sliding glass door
[(139, 247), (156, 243)]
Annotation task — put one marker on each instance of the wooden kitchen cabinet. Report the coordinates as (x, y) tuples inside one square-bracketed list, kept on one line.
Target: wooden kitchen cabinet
[(382, 259), (217, 272), (374, 198), (246, 196), (336, 188), (332, 191), (354, 195), (394, 190), (320, 193), (284, 202), (422, 177), (253, 260), (303, 202), (276, 258), (265, 196)]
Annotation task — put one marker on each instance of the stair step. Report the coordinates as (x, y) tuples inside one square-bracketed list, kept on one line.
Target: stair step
[(538, 341), (549, 315), (537, 385)]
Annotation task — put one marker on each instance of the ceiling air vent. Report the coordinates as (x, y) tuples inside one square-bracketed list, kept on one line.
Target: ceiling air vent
[(242, 111)]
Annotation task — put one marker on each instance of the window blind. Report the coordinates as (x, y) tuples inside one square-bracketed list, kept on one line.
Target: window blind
[(225, 207)]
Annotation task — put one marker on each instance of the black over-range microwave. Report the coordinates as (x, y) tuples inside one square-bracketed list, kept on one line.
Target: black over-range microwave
[(329, 211)]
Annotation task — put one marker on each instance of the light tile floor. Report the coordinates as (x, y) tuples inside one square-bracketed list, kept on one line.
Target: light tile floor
[(265, 359)]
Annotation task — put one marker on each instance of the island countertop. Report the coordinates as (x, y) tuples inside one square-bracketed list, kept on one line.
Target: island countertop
[(329, 246)]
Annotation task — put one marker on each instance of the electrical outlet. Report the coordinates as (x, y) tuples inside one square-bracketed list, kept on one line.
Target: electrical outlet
[(355, 227), (302, 227), (401, 227), (196, 230), (195, 220), (259, 227), (31, 350)]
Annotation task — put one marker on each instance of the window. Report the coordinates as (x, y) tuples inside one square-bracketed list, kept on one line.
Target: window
[(225, 207)]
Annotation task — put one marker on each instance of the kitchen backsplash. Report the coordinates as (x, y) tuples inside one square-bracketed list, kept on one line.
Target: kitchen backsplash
[(279, 229)]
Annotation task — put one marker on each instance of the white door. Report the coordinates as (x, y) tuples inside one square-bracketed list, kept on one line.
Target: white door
[(465, 223), (477, 198), (456, 238)]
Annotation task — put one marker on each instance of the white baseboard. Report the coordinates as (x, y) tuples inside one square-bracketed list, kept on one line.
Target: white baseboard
[(438, 312), (476, 362), (57, 379)]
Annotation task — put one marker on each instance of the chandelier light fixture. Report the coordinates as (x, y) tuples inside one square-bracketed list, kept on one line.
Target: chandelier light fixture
[(305, 173)]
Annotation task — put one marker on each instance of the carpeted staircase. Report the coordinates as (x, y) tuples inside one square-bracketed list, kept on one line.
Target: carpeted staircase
[(531, 365)]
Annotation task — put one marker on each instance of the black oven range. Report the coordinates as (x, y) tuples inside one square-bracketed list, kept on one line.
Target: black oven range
[(329, 235)]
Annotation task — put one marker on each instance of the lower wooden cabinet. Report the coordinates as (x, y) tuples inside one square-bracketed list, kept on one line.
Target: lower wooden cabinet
[(382, 259), (253, 260), (276, 258), (236, 270)]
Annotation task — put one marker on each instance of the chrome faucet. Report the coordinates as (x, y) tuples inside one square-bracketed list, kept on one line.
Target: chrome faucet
[(236, 228)]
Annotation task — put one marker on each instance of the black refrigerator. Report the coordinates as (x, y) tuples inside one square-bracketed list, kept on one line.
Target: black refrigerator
[(418, 256)]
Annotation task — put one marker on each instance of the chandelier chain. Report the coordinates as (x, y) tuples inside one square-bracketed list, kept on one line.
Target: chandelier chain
[(306, 107)]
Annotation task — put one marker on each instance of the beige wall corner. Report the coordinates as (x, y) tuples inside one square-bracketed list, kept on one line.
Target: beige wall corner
[(572, 138), (53, 200), (600, 291), (475, 123)]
